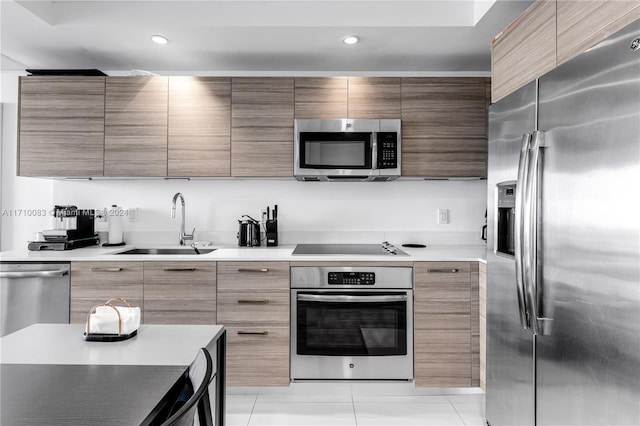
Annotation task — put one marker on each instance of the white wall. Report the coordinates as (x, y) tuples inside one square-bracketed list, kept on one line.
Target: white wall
[(308, 211), (400, 211), (20, 196)]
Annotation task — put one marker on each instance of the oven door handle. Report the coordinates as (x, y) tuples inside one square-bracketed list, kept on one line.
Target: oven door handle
[(347, 299)]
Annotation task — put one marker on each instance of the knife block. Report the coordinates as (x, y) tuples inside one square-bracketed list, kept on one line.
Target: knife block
[(271, 228)]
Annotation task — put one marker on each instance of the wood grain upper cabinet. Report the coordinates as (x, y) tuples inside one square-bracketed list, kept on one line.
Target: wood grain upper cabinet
[(581, 24), (444, 127), (525, 50), (180, 292), (374, 97), (443, 324), (136, 126), (262, 126), (321, 97), (61, 126), (97, 282), (199, 134), (253, 305)]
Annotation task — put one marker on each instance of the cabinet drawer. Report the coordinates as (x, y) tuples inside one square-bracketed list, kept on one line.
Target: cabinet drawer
[(180, 292), (257, 356), (442, 275), (256, 307), (251, 276), (96, 282)]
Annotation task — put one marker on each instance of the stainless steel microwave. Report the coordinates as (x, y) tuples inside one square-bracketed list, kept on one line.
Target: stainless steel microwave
[(347, 150)]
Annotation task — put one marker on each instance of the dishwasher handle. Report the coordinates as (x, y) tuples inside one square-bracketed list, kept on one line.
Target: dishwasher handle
[(35, 274)]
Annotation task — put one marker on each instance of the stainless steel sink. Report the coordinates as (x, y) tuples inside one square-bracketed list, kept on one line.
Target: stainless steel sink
[(177, 250)]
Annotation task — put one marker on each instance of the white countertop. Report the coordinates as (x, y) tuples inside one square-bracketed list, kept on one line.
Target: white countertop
[(63, 344), (470, 253)]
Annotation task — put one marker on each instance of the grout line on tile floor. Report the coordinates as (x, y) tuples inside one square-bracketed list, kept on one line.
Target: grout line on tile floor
[(253, 407), (353, 406), (456, 410)]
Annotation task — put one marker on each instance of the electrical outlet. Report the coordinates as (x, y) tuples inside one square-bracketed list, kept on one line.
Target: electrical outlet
[(133, 214), (443, 216)]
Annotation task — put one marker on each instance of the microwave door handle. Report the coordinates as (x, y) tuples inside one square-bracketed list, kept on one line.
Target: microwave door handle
[(374, 150), (519, 230)]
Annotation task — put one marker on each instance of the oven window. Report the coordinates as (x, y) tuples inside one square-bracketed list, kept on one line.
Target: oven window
[(340, 150), (351, 328)]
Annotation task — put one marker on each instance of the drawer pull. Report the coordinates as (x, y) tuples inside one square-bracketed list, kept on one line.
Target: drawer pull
[(253, 302), (179, 269), (443, 271), (253, 269), (261, 333), (107, 269)]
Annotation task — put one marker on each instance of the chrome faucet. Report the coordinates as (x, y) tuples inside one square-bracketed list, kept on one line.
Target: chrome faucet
[(183, 235)]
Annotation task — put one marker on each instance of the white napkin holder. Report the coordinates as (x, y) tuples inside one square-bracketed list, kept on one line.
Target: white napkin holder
[(107, 319)]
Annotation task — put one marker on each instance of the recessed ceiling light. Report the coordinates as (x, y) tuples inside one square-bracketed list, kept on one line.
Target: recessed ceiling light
[(351, 39), (159, 39)]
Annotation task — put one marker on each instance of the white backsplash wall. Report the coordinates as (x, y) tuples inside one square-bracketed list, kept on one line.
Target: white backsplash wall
[(399, 211)]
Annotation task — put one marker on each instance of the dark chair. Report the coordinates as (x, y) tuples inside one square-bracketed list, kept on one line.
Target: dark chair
[(190, 392)]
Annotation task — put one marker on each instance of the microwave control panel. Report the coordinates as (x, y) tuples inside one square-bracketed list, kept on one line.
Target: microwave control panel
[(352, 278), (387, 150)]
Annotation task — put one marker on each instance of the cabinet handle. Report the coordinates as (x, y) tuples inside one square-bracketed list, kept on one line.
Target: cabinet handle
[(253, 302), (443, 271), (107, 269), (261, 333), (253, 269), (179, 269)]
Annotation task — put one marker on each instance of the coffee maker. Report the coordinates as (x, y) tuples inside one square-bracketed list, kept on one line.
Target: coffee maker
[(73, 228)]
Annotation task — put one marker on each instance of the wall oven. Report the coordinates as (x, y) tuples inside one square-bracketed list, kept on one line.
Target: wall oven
[(347, 149), (351, 323)]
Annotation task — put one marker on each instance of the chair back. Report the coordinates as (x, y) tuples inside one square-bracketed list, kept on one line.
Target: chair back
[(189, 393)]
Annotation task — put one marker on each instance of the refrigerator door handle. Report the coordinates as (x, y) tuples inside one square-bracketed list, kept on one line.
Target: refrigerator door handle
[(539, 324), (523, 164)]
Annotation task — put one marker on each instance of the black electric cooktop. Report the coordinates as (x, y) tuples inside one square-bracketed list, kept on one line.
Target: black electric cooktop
[(347, 249)]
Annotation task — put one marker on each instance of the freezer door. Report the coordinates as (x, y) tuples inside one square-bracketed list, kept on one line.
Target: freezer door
[(510, 397), (588, 363)]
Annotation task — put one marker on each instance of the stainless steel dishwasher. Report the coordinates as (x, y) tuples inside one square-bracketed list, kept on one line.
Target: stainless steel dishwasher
[(33, 293)]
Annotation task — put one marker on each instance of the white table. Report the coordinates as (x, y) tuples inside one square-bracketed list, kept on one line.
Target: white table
[(98, 382)]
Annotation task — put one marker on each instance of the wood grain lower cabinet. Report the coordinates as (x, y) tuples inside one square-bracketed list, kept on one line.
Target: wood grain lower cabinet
[(61, 126), (444, 127), (97, 282), (180, 292), (257, 356), (582, 24), (525, 50), (199, 126), (444, 353), (482, 280), (253, 304), (475, 324), (135, 142), (262, 126)]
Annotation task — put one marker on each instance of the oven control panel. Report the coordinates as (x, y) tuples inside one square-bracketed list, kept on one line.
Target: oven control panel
[(352, 278)]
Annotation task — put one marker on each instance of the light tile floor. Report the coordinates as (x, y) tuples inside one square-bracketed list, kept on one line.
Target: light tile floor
[(357, 404)]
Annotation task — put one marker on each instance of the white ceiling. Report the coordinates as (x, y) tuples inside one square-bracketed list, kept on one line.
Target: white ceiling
[(241, 36)]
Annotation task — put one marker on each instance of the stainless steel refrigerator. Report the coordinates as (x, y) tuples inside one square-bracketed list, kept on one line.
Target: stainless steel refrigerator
[(563, 261)]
